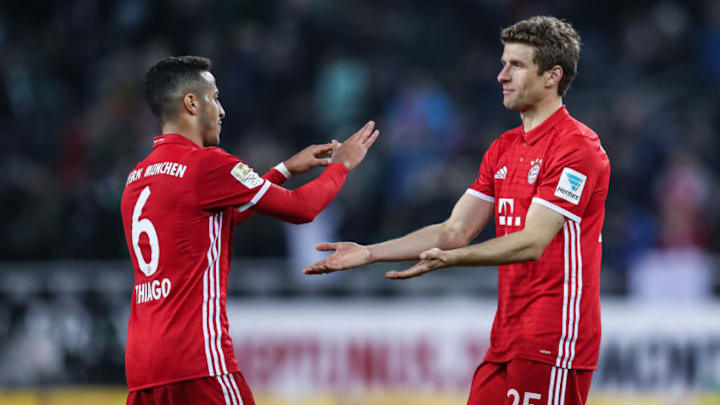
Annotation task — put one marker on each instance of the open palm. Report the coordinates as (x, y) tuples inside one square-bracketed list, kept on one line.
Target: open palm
[(346, 256)]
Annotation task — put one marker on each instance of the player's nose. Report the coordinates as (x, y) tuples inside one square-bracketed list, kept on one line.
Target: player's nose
[(503, 76)]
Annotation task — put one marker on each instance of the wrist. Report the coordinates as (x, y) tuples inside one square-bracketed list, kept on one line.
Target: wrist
[(451, 257), (372, 254), (340, 165), (282, 168)]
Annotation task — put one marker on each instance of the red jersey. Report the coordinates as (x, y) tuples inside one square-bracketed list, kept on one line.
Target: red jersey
[(549, 309), (178, 208)]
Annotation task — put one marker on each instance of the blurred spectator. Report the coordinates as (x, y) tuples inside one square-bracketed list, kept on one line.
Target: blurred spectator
[(73, 118), (679, 269)]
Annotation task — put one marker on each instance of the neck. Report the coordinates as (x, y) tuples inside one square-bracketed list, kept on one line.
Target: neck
[(536, 115), (184, 129)]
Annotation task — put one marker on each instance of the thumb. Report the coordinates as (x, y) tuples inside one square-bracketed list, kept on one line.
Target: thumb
[(429, 254)]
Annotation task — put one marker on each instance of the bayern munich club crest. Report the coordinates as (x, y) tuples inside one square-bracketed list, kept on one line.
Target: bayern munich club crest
[(534, 170)]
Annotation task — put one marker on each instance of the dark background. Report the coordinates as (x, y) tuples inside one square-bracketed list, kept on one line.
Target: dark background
[(73, 123)]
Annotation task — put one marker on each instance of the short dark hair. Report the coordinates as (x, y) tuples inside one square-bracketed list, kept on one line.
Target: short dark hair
[(555, 41), (171, 78)]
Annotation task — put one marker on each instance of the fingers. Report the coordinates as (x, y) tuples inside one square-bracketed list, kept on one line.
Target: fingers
[(422, 267), (395, 275), (326, 246), (323, 150), (316, 268), (362, 133), (403, 275), (367, 132), (414, 271), (371, 139), (322, 154)]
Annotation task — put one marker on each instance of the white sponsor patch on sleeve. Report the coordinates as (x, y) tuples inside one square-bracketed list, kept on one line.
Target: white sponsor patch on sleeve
[(571, 185), (247, 176)]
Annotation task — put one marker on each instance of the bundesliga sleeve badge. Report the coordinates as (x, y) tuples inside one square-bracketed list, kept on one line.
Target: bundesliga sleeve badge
[(570, 186), (245, 175)]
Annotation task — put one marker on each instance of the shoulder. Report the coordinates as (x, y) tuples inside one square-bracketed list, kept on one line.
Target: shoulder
[(572, 136), (505, 140), (212, 156), (210, 152)]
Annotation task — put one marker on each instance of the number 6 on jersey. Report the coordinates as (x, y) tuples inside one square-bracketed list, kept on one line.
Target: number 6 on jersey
[(144, 225)]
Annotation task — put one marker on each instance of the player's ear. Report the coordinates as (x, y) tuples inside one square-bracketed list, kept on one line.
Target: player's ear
[(191, 104), (553, 76)]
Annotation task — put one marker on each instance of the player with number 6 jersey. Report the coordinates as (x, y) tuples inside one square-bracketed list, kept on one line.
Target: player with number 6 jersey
[(179, 208)]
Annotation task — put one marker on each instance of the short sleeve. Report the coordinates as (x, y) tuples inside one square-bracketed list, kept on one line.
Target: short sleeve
[(571, 176), (224, 180), (484, 185)]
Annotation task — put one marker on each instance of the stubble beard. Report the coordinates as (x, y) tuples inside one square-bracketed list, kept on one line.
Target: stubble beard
[(209, 128)]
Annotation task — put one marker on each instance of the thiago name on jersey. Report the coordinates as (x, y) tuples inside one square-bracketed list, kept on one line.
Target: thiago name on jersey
[(152, 290), (168, 168)]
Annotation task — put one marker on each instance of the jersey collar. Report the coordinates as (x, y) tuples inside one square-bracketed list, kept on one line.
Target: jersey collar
[(172, 138), (537, 132)]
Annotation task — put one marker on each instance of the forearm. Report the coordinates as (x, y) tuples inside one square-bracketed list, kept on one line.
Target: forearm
[(304, 203), (411, 245), (513, 248)]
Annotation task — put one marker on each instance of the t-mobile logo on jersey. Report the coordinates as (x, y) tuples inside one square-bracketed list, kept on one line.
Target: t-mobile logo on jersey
[(507, 206)]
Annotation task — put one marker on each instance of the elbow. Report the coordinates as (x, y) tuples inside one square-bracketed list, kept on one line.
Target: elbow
[(453, 237), (535, 250), (534, 253), (303, 218)]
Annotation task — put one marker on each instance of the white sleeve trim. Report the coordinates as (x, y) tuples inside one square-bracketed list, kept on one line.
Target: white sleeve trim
[(283, 169), (559, 210), (255, 198), (480, 195)]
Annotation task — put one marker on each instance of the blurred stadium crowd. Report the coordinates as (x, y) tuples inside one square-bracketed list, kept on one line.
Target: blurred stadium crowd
[(74, 122), (295, 72)]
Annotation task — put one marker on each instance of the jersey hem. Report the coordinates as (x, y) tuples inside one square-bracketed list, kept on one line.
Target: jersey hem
[(559, 210), (179, 379), (492, 359), (480, 195)]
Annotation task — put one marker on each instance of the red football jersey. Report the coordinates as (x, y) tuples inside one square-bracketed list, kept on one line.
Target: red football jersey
[(178, 208), (549, 309)]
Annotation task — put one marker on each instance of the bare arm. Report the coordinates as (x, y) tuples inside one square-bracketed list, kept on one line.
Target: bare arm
[(541, 226), (469, 216)]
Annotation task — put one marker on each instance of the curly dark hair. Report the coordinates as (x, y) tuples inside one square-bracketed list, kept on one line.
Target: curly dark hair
[(555, 41), (170, 79)]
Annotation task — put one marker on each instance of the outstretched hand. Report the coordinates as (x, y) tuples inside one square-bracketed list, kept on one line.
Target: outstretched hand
[(346, 255), (309, 158), (353, 150), (430, 260)]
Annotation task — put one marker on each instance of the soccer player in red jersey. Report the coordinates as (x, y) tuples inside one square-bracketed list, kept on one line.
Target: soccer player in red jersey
[(545, 182), (179, 208)]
